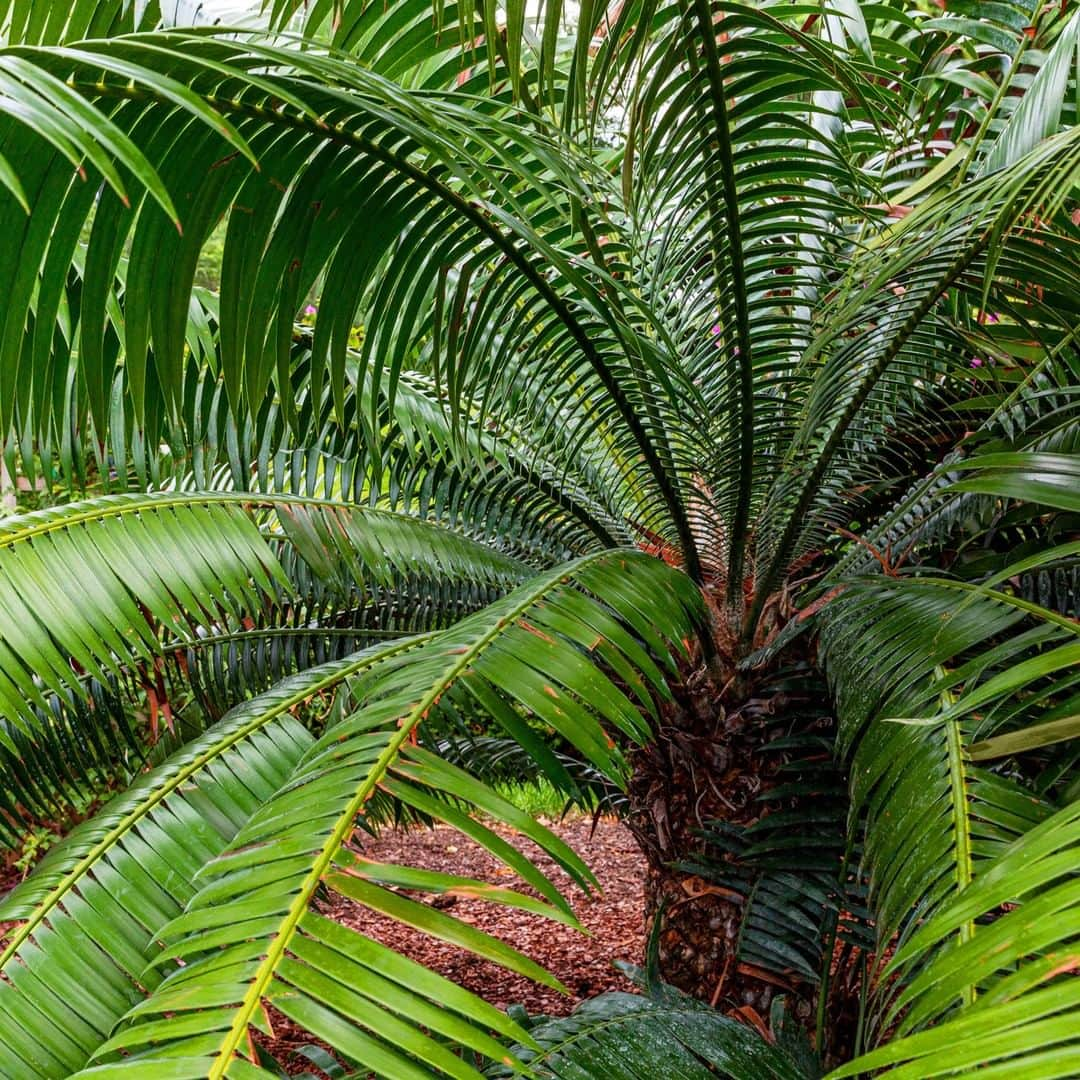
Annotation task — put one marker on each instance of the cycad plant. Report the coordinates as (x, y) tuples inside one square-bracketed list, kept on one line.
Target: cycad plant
[(682, 394)]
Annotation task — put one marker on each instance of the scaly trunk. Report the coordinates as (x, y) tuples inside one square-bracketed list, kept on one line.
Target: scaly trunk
[(709, 764), (705, 766)]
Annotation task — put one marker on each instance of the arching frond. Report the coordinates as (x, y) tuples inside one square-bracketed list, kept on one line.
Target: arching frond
[(1014, 968), (138, 578), (107, 601), (343, 131), (258, 897), (86, 586), (874, 329), (954, 662), (99, 896)]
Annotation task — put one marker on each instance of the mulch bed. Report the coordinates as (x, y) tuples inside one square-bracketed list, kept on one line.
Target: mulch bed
[(614, 918), (9, 878)]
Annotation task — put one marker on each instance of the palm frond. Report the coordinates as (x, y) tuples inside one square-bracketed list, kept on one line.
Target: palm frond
[(627, 1037), (140, 579), (99, 896), (154, 617), (258, 897), (1039, 414), (1014, 968), (407, 458), (953, 662), (344, 131), (845, 416), (87, 585), (31, 23), (709, 119)]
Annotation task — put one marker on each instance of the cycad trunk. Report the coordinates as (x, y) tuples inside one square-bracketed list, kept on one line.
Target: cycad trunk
[(709, 764), (705, 766)]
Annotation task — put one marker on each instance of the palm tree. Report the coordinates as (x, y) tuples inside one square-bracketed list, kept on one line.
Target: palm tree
[(690, 403)]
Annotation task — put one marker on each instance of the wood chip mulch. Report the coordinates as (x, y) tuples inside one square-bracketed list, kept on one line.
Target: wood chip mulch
[(9, 878), (614, 916)]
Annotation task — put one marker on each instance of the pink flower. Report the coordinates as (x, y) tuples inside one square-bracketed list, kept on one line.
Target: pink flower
[(716, 330), (977, 361), (311, 309)]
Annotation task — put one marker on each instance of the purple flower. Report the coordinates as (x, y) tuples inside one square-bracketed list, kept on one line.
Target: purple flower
[(977, 361), (311, 309)]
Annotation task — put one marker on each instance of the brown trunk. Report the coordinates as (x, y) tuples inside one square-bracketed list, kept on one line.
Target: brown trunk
[(702, 768), (707, 765)]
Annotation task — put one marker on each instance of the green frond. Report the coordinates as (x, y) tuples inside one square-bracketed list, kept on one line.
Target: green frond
[(340, 132), (71, 757), (952, 663), (626, 1037), (1048, 479), (132, 577), (99, 897), (884, 344), (175, 596), (29, 22), (87, 586), (723, 114), (1038, 112), (409, 459), (254, 888), (1015, 967), (1040, 414)]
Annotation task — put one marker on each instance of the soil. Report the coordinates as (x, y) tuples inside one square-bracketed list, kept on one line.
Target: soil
[(9, 878), (614, 917)]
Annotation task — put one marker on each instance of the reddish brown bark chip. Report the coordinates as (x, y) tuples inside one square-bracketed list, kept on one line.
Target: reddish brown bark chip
[(584, 963), (9, 878), (614, 917)]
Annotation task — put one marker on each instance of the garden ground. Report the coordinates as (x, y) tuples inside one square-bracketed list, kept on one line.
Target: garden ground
[(613, 917)]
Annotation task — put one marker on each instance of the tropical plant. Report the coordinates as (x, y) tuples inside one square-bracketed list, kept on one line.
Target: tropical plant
[(687, 395)]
